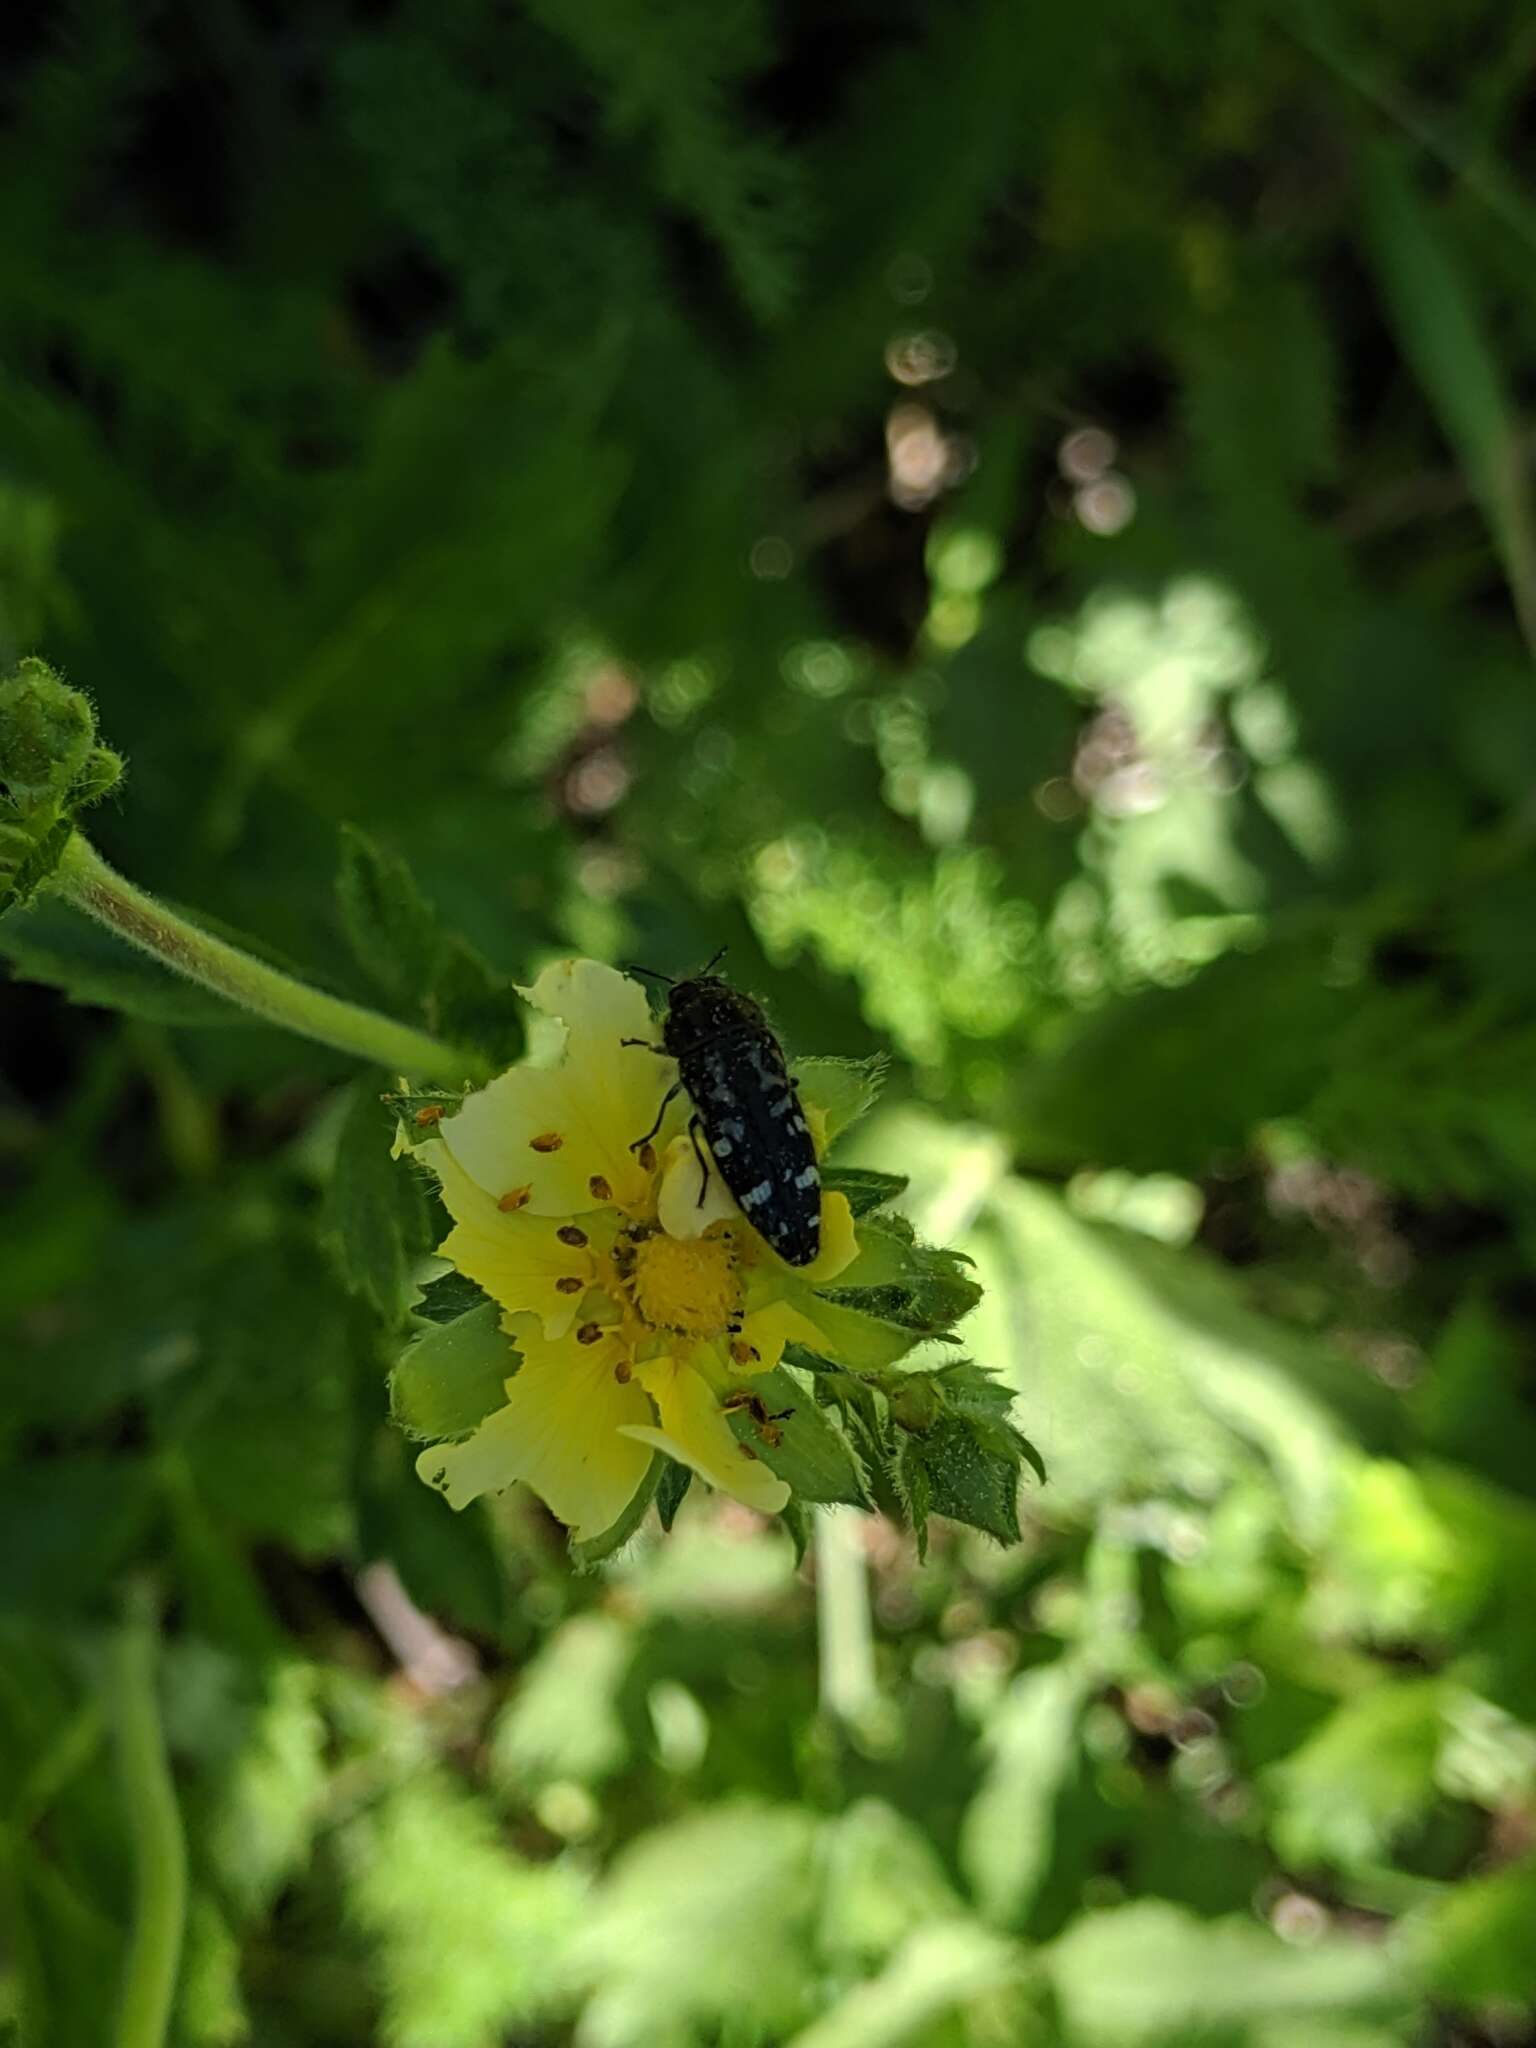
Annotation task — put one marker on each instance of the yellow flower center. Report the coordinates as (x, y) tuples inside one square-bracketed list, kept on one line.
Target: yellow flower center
[(685, 1285)]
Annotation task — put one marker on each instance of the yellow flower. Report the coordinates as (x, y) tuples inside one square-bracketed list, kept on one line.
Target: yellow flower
[(636, 1312)]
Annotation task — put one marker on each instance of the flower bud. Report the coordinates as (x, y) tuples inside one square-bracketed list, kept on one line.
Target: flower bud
[(47, 731)]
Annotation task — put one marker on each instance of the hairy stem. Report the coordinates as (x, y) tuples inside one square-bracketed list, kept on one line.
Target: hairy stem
[(154, 1826), (84, 879)]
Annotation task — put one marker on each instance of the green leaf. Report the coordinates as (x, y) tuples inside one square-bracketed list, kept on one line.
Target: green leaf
[(267, 1423), (564, 1722), (392, 930), (376, 1210), (865, 1189), (467, 1940), (423, 968), (744, 1871), (452, 1376), (1154, 1367), (800, 1443), (66, 1525), (271, 1799), (884, 1880), (1441, 333), (1032, 1752), (1473, 1945), (1366, 1775), (1153, 1975), (939, 1971)]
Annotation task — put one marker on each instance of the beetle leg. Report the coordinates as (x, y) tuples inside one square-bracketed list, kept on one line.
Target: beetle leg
[(661, 1049), (655, 1127), (694, 1127)]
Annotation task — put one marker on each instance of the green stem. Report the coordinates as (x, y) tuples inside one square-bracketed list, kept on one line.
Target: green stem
[(845, 1637), (84, 879), (154, 1824)]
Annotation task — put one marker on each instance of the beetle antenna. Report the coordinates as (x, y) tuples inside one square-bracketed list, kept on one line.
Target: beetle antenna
[(714, 960), (652, 973)]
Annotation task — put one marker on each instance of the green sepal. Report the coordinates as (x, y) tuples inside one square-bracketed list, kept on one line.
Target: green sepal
[(803, 1447), (103, 771), (841, 1089), (376, 1210), (864, 1342), (596, 1550), (922, 1287), (419, 1111), (961, 1455), (947, 1471), (671, 1491), (797, 1522), (451, 1376), (445, 1299), (985, 1402), (28, 860), (863, 1188)]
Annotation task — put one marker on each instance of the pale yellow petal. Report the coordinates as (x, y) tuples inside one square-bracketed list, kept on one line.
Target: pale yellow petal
[(557, 1128), (516, 1257), (839, 1242), (695, 1432), (678, 1208), (596, 1003), (767, 1330), (564, 1432)]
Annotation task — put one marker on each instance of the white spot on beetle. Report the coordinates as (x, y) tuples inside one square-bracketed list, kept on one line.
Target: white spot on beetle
[(721, 1147), (808, 1179), (754, 1198), (800, 1124)]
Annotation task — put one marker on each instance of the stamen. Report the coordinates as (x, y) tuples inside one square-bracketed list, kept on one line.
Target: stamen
[(546, 1141), (747, 1451), (569, 1234), (514, 1198), (599, 1188), (745, 1354), (589, 1333), (569, 1284), (430, 1113), (623, 1373), (647, 1156)]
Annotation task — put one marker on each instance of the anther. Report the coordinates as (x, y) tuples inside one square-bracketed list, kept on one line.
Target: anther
[(569, 1284), (744, 1354), (747, 1451), (429, 1113), (599, 1189), (569, 1234), (647, 1156), (589, 1333), (622, 1373), (546, 1141), (514, 1198)]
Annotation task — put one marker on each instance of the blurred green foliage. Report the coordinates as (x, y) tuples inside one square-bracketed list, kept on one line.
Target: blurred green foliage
[(1018, 521)]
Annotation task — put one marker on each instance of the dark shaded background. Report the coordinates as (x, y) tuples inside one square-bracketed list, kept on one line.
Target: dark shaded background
[(1017, 520)]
